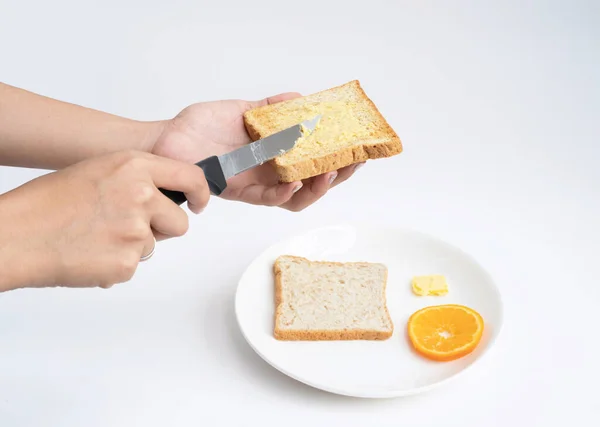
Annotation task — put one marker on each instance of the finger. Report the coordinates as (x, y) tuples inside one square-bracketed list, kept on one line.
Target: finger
[(174, 175), (166, 218), (274, 195), (282, 97), (312, 191), (148, 246), (345, 173), (160, 236), (273, 99)]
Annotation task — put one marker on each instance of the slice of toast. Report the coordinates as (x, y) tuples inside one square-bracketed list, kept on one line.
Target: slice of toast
[(326, 301), (351, 130)]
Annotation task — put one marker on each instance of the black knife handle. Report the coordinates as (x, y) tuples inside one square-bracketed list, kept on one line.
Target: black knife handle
[(213, 174)]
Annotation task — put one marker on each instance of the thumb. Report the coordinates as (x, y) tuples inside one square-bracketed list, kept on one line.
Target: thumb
[(273, 99)]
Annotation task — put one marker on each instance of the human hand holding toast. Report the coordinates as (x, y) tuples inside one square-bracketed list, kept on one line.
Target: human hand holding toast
[(214, 128)]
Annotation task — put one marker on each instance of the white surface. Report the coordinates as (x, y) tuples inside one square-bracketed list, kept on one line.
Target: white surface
[(370, 369), (497, 105)]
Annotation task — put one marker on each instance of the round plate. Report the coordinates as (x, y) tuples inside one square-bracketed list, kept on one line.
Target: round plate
[(373, 369)]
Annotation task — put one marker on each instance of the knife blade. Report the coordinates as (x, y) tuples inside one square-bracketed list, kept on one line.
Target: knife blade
[(218, 169)]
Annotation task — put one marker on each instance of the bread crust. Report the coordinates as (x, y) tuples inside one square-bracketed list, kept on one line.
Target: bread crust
[(335, 161), (345, 157), (324, 335)]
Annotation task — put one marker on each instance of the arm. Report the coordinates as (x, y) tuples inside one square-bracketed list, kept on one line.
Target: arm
[(40, 132)]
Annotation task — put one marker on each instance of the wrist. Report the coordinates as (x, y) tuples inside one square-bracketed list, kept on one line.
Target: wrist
[(22, 262), (11, 270), (150, 133)]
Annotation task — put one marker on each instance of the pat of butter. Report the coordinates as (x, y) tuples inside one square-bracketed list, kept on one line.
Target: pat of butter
[(433, 285)]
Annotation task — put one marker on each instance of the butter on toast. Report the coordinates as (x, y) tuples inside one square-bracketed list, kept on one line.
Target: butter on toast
[(351, 130)]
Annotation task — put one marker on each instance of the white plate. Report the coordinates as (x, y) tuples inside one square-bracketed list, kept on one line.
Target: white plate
[(374, 369)]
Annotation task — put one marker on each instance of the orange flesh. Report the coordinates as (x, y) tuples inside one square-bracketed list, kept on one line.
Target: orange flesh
[(445, 332)]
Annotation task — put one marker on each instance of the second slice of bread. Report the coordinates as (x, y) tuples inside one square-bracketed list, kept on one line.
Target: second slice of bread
[(318, 300), (351, 130)]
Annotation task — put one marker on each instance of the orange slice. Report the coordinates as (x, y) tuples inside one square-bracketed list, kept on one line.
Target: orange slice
[(445, 332)]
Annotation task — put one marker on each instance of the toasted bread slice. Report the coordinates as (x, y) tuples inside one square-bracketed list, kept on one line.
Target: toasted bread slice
[(326, 301), (351, 130)]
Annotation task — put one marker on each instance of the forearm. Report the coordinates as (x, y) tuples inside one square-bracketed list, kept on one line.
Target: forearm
[(41, 132)]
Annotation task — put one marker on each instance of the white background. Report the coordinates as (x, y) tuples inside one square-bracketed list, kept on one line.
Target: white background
[(498, 106)]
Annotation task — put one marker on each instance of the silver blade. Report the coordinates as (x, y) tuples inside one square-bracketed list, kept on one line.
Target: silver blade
[(265, 149)]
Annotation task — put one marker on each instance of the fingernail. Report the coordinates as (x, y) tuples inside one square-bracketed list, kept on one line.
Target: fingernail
[(297, 187), (332, 177), (194, 209), (358, 166)]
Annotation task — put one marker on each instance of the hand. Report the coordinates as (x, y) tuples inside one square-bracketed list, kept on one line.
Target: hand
[(89, 224), (214, 128)]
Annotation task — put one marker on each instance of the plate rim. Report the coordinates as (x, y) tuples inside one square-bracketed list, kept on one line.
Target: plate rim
[(383, 394)]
